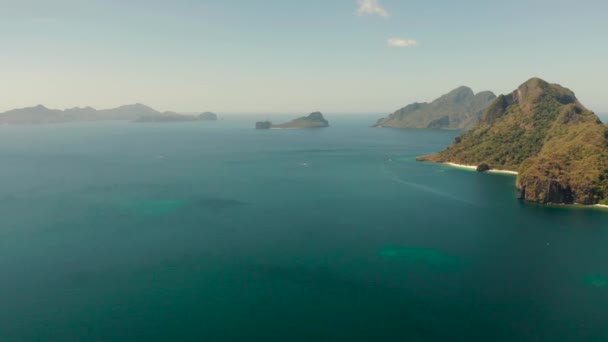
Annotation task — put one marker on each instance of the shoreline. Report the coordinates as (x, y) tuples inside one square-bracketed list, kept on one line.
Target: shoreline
[(575, 205), (474, 168)]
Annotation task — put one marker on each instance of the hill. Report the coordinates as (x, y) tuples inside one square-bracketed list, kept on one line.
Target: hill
[(41, 114), (208, 116), (558, 147), (313, 120), (459, 109)]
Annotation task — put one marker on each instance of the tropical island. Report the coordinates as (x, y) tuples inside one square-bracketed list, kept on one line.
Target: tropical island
[(459, 109), (313, 120), (558, 148), (135, 112), (208, 116), (43, 115)]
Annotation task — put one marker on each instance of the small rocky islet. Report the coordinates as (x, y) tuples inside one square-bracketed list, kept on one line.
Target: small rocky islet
[(313, 120)]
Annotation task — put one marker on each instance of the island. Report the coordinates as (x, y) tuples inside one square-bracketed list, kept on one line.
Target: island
[(263, 125), (558, 148), (208, 116), (313, 120), (43, 115), (135, 112), (175, 117), (459, 109)]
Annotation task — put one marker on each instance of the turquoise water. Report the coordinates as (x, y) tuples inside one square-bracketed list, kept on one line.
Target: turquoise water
[(218, 232)]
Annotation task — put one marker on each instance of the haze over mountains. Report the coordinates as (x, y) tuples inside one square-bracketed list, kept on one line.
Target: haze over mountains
[(459, 109), (135, 112), (176, 117)]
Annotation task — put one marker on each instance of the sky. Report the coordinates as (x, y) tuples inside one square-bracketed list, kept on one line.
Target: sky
[(294, 56)]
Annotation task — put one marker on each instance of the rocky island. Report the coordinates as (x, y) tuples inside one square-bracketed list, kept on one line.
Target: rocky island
[(263, 125), (459, 109), (558, 147), (208, 116), (313, 120)]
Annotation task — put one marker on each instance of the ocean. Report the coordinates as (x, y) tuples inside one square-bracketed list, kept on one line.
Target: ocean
[(217, 232)]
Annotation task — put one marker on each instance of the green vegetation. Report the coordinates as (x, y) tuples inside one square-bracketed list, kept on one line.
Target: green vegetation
[(559, 148), (314, 120), (459, 109)]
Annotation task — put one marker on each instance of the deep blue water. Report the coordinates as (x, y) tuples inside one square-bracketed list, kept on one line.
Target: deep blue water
[(217, 232)]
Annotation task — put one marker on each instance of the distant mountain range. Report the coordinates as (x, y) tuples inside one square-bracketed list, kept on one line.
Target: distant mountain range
[(175, 117), (135, 112), (459, 109)]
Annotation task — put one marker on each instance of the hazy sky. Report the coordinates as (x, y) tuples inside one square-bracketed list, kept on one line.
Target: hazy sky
[(294, 55)]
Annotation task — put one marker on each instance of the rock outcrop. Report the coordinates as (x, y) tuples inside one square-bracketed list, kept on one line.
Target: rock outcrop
[(483, 167)]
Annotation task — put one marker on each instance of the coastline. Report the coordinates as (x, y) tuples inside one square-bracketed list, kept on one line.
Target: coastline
[(474, 168)]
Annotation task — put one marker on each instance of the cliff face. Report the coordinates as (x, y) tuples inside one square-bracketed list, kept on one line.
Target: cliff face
[(558, 147), (459, 109)]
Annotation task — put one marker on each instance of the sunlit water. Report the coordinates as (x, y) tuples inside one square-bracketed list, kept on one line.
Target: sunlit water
[(218, 232)]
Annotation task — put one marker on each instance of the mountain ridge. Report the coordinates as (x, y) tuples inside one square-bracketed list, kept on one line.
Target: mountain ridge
[(43, 115), (461, 108)]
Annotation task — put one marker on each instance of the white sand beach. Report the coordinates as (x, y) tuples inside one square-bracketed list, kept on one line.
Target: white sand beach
[(472, 167)]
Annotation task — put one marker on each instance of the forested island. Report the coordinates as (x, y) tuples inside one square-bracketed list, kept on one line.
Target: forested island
[(313, 120), (558, 147)]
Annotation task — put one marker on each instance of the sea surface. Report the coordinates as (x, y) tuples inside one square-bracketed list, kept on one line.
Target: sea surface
[(218, 232)]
